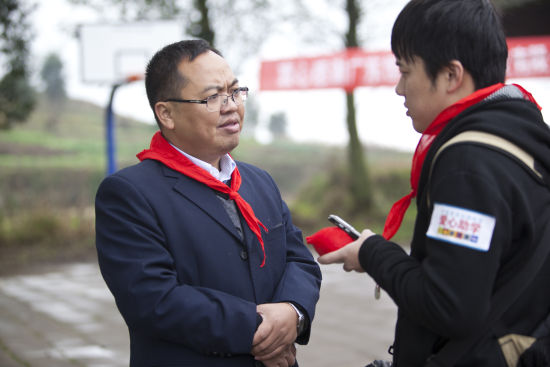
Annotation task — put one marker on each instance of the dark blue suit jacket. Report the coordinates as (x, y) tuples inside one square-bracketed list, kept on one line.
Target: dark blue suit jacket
[(173, 260)]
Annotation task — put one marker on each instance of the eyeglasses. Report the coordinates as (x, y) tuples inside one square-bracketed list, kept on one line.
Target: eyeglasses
[(214, 103)]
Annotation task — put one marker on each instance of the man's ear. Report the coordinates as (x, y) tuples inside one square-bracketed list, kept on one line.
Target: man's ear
[(164, 113), (455, 76)]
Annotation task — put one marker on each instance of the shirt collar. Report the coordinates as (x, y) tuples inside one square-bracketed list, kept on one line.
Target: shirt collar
[(227, 165)]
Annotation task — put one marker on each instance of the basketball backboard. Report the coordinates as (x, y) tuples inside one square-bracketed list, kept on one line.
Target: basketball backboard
[(113, 52)]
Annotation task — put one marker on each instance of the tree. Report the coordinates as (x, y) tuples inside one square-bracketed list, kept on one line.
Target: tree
[(52, 75), (277, 125), (17, 97), (202, 27), (252, 116), (359, 180)]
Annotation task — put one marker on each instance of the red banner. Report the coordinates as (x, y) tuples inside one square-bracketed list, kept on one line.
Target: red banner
[(527, 57)]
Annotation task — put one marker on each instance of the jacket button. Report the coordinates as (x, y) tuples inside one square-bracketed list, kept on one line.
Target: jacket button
[(244, 255)]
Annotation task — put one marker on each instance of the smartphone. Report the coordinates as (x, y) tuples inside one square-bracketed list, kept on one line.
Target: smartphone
[(342, 224)]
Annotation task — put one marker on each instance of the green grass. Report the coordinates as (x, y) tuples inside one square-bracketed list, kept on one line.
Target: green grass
[(71, 135), (52, 165)]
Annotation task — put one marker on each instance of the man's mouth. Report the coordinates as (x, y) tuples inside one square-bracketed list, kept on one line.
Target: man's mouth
[(231, 125)]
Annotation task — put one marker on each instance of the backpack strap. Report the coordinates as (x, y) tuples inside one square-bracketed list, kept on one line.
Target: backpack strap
[(495, 141), (509, 293), (490, 140)]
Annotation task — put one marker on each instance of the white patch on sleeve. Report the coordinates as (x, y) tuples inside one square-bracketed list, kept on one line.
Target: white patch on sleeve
[(461, 227)]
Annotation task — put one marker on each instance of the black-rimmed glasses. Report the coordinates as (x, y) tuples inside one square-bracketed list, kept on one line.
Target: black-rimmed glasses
[(214, 103)]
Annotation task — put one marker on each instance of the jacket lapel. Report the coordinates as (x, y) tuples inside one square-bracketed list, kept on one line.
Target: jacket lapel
[(204, 198)]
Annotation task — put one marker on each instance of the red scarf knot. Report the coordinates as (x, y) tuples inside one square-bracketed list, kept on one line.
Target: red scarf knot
[(165, 153)]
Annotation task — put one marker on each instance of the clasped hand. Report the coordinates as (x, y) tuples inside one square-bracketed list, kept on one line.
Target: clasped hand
[(273, 342)]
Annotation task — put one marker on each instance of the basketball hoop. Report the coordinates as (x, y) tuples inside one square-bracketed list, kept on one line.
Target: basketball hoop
[(116, 55)]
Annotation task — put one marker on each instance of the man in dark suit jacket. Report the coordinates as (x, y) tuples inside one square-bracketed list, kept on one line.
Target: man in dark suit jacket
[(198, 250)]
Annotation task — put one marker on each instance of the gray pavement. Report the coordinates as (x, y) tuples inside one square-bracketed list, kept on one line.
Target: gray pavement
[(67, 317)]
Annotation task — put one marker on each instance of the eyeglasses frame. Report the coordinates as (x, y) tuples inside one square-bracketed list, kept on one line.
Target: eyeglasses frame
[(205, 101)]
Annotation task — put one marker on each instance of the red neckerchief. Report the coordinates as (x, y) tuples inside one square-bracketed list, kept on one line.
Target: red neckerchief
[(395, 216), (165, 153)]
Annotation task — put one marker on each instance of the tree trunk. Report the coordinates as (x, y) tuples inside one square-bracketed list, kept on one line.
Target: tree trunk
[(358, 175), (205, 30)]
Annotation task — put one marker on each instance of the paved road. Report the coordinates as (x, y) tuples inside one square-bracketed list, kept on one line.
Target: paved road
[(67, 317)]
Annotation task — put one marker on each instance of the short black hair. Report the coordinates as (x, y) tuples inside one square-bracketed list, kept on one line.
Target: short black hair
[(439, 31), (162, 78)]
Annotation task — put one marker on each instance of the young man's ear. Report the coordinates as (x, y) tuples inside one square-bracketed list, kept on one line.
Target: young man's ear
[(459, 81), (454, 73), (164, 112)]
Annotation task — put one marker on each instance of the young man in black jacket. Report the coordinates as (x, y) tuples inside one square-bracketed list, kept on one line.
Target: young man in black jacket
[(481, 213)]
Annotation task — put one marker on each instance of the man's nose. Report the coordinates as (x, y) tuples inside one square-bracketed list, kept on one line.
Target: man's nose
[(399, 88), (228, 104)]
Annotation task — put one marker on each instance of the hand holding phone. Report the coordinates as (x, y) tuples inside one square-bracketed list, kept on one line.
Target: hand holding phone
[(345, 226), (333, 238), (353, 233)]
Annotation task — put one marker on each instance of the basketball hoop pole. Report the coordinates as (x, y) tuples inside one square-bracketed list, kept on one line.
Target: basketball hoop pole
[(110, 124)]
